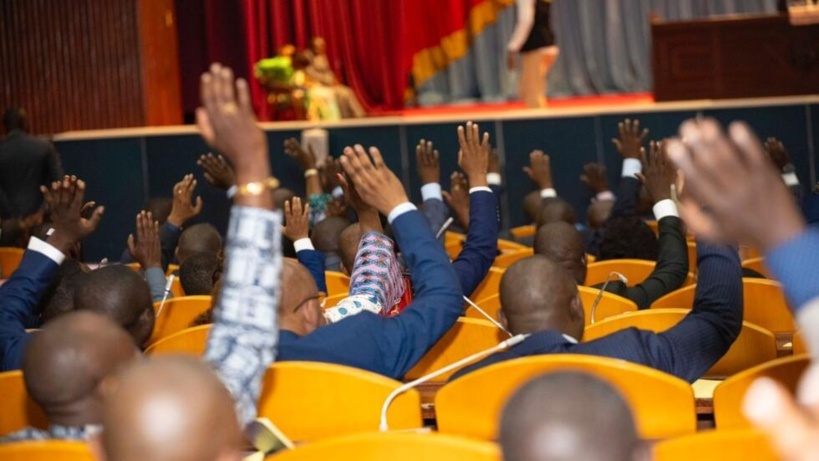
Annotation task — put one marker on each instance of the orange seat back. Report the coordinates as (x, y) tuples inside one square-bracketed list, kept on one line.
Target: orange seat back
[(18, 409), (716, 446), (46, 450), (9, 260), (190, 341), (178, 314)]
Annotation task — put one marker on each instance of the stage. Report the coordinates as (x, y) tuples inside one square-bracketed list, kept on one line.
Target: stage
[(123, 167)]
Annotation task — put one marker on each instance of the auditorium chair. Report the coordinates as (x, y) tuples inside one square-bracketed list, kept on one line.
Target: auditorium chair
[(753, 346), (337, 283), (332, 301), (507, 259), (610, 304), (17, 410), (465, 338), (176, 287), (172, 268), (764, 304), (490, 284), (523, 231), (758, 265), (692, 257), (190, 341), (9, 260), (635, 270), (719, 445), (471, 405), (453, 248), (508, 246), (133, 266), (729, 394), (46, 450), (799, 346), (394, 447), (178, 314), (310, 401)]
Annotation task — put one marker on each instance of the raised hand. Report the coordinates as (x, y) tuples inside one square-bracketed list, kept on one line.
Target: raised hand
[(146, 250), (375, 183), (367, 215), (594, 177), (629, 141), (218, 172), (458, 198), (539, 169), (227, 123), (65, 200), (296, 218), (428, 162), (734, 180), (777, 152), (305, 157), (329, 174), (473, 156), (658, 172), (183, 207)]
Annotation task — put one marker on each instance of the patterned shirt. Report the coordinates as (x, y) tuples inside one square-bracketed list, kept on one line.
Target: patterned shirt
[(242, 341), (318, 207), (54, 432), (376, 284)]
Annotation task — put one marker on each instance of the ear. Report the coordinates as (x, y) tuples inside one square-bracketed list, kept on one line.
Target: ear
[(577, 308)]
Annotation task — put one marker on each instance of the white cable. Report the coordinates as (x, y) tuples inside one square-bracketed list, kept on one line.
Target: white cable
[(488, 317), (168, 285), (443, 228), (603, 289), (384, 427)]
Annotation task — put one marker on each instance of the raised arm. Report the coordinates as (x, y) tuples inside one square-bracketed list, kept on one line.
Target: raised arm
[(147, 251), (243, 338), (20, 295), (629, 144), (427, 160), (184, 208), (297, 219)]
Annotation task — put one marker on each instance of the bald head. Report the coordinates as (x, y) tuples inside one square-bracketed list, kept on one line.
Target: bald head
[(556, 210), (299, 309), (281, 195), (538, 294), (563, 243), (120, 294), (327, 234), (199, 238), (566, 416), (531, 206), (65, 364), (172, 408), (348, 246)]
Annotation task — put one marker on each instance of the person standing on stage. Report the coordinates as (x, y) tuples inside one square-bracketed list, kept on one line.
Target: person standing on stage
[(534, 40)]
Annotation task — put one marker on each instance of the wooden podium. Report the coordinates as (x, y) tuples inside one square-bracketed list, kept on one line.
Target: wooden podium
[(734, 57), (90, 64)]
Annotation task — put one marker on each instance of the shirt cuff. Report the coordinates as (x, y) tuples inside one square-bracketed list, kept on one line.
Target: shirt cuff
[(480, 189), (665, 208), (231, 192), (631, 166), (605, 196), (399, 210), (337, 192), (494, 179), (431, 191), (790, 179), (549, 192), (303, 244), (45, 249)]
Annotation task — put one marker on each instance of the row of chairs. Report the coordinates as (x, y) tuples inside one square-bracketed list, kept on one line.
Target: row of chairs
[(717, 445), (310, 401)]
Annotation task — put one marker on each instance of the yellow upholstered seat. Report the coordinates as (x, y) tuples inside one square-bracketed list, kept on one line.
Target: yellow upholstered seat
[(337, 283), (46, 450), (178, 314), (190, 341), (716, 445), (635, 270), (17, 410), (9, 260)]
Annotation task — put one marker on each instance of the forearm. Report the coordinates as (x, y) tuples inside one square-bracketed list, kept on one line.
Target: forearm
[(628, 190), (168, 240), (243, 338), (376, 272), (313, 185), (434, 209), (369, 220), (312, 260), (480, 248), (672, 262)]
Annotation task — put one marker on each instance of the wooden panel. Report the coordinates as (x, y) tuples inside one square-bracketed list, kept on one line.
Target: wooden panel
[(160, 63), (734, 58), (77, 65)]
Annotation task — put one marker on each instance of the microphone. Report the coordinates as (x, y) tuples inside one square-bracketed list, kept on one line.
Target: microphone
[(443, 228), (384, 427), (168, 285), (488, 317), (603, 289)]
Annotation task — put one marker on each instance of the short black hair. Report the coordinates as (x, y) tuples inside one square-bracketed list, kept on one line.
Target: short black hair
[(196, 273), (160, 208), (15, 118), (58, 299), (628, 238), (199, 238), (327, 234)]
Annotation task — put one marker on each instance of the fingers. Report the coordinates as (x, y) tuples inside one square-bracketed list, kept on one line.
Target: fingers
[(378, 160), (198, 207), (698, 221), (641, 177), (462, 138), (768, 405), (750, 149), (447, 197), (288, 211), (243, 97), (131, 246)]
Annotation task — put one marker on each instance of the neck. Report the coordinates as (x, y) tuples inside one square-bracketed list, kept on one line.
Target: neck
[(81, 413)]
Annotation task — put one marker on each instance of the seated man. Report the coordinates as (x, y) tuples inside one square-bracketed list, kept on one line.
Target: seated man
[(567, 415), (199, 238), (539, 297), (65, 368), (196, 274), (388, 346)]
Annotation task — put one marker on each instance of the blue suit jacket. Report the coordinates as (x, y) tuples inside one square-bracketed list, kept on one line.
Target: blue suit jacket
[(390, 346), (794, 263), (314, 262), (481, 245), (19, 298), (687, 350)]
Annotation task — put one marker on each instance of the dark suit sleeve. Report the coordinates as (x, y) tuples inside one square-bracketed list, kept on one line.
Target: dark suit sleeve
[(436, 212), (19, 298), (314, 262), (392, 346), (168, 239), (628, 194), (672, 265), (481, 244), (53, 168), (694, 345)]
